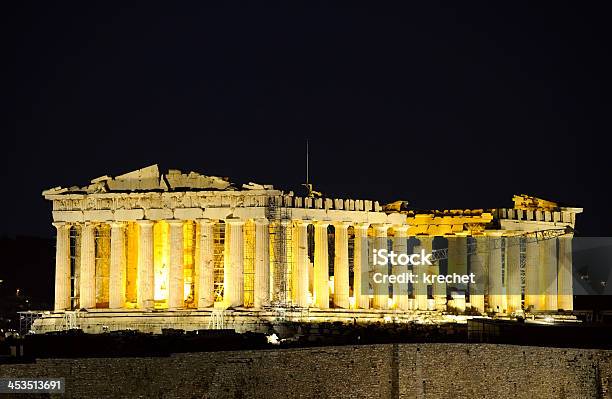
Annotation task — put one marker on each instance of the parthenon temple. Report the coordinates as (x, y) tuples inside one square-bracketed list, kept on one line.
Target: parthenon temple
[(150, 250)]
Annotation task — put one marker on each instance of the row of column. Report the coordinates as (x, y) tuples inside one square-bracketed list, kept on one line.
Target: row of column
[(204, 265), (547, 283), (547, 273), (233, 290)]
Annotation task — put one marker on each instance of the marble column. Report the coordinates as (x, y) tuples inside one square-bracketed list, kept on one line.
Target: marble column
[(62, 267), (548, 274), (496, 290), (176, 276), (400, 246), (513, 273), (87, 277), (341, 266), (381, 290), (479, 265), (262, 263), (321, 266), (233, 282), (146, 275), (361, 267), (457, 263), (532, 286), (565, 298), (204, 266), (117, 278), (281, 243), (457, 259), (438, 288), (301, 264), (420, 287)]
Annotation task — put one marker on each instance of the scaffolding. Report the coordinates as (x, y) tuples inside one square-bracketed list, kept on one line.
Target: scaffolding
[(351, 259), (26, 319), (249, 264), (71, 320), (102, 263), (217, 320), (218, 259), (281, 253), (75, 262), (523, 265), (499, 242)]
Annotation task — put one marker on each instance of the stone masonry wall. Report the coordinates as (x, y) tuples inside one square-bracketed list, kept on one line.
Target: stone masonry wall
[(373, 371)]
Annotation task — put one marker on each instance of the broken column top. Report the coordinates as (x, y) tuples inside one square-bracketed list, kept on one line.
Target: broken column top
[(150, 179)]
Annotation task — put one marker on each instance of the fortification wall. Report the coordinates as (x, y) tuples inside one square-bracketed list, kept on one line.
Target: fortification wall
[(373, 371)]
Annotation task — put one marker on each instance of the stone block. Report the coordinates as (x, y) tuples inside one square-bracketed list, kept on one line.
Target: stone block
[(188, 213), (68, 216), (98, 215), (159, 214), (129, 214)]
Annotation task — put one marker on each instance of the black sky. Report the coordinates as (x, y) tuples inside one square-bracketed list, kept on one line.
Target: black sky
[(442, 106)]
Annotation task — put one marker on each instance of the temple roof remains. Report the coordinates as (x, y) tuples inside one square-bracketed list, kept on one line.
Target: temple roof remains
[(150, 179)]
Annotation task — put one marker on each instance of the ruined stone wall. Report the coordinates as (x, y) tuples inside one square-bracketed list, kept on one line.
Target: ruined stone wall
[(375, 371)]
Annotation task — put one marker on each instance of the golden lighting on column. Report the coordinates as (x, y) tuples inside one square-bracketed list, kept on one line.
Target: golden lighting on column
[(218, 259), (102, 264), (161, 262), (249, 263), (131, 272), (189, 236)]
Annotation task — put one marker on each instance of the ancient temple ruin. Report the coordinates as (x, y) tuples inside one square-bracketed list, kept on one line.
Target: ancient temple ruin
[(146, 250)]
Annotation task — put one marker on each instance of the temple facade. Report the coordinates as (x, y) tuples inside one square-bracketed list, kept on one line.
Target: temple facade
[(147, 250)]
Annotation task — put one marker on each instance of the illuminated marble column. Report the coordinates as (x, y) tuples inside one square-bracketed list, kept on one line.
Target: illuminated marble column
[(87, 275), (565, 298), (513, 273), (321, 266), (116, 283), (176, 287), (62, 266), (204, 265), (381, 290), (361, 266), (282, 241), (496, 294), (548, 274), (262, 263), (532, 287), (479, 265), (233, 283), (457, 259), (420, 287), (457, 263), (438, 288), (301, 264), (400, 246), (341, 266), (146, 275)]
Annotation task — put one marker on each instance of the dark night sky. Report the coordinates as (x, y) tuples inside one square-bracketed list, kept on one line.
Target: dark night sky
[(442, 106)]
